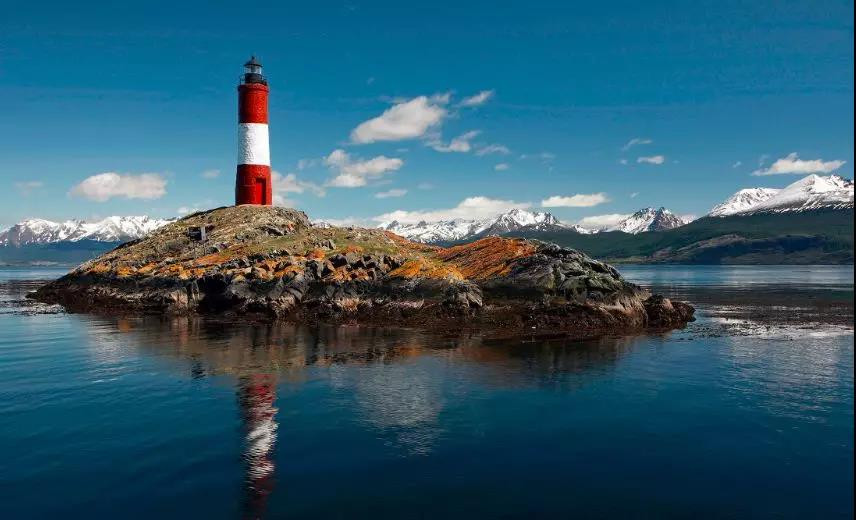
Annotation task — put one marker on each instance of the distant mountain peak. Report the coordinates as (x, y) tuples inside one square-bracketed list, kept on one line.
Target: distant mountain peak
[(812, 192), (742, 201), (649, 219)]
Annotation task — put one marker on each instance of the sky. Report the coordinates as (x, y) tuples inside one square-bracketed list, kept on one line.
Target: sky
[(453, 110)]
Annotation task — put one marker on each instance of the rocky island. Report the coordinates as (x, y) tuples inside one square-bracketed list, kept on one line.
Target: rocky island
[(265, 262)]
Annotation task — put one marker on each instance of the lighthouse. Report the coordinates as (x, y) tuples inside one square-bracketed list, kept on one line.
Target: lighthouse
[(253, 180)]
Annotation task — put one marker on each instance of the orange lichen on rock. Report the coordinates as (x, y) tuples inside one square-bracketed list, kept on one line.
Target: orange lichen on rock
[(124, 271), (487, 257), (288, 270), (315, 254), (351, 248), (148, 268), (213, 259), (412, 246), (100, 268), (420, 267)]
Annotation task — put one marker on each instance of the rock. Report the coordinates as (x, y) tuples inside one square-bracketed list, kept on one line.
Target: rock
[(338, 260), (463, 295), (273, 230), (663, 313), (497, 283)]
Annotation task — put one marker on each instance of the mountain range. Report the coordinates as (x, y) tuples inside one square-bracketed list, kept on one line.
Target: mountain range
[(43, 239), (110, 229), (813, 192), (523, 221)]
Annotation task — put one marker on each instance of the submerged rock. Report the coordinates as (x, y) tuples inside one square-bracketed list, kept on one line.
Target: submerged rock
[(263, 261)]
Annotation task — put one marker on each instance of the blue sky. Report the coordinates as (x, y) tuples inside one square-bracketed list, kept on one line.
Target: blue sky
[(710, 91)]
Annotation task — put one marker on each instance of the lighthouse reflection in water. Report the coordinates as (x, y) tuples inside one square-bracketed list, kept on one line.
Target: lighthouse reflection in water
[(391, 379), (256, 395)]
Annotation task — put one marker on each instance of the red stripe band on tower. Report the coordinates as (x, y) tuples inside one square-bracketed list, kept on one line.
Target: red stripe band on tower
[(253, 103)]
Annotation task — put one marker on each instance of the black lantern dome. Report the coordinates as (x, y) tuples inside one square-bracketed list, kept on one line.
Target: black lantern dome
[(253, 72)]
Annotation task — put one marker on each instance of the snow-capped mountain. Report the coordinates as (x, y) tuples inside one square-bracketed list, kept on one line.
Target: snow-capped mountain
[(522, 220), (582, 230), (742, 201), (442, 231), (110, 229), (648, 219), (460, 229), (807, 194)]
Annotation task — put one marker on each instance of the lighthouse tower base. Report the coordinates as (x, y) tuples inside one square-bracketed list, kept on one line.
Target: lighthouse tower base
[(253, 185)]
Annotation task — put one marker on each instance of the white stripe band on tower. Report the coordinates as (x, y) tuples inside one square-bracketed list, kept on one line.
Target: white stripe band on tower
[(253, 147)]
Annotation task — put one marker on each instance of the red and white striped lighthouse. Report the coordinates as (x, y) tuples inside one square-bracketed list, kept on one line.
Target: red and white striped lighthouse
[(253, 180)]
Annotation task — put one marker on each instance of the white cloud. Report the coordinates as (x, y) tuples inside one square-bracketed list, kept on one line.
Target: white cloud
[(737, 164), (283, 202), (479, 99), (304, 164), (345, 222), (792, 164), (580, 200), (27, 187), (395, 192), (653, 159), (634, 194), (622, 161), (289, 183), (104, 186), (501, 167), (636, 141), (493, 148), (210, 174), (425, 186), (404, 120), (469, 208), (354, 174), (602, 221), (458, 144), (184, 210)]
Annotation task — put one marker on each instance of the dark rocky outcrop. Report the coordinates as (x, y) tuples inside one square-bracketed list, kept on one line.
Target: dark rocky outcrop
[(271, 263)]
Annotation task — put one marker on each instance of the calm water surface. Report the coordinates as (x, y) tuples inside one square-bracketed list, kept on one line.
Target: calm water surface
[(747, 412)]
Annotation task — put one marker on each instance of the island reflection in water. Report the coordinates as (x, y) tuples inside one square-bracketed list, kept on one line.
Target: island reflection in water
[(401, 398), (748, 412)]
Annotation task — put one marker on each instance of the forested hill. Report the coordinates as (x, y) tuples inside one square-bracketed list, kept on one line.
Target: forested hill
[(812, 237)]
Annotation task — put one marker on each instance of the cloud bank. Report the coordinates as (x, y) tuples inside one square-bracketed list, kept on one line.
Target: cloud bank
[(792, 164), (459, 144), (395, 192), (580, 200), (636, 141), (404, 120), (602, 221), (652, 159), (469, 208), (105, 186), (479, 99), (355, 173)]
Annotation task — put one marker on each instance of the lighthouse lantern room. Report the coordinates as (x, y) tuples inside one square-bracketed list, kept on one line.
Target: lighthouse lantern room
[(253, 179)]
